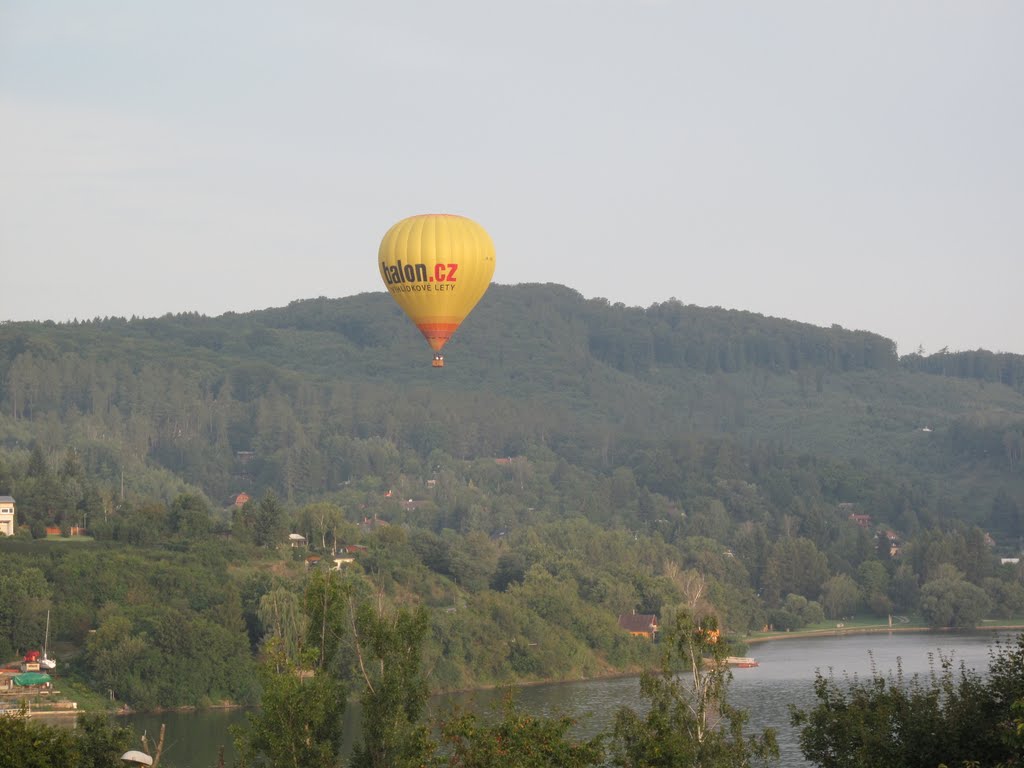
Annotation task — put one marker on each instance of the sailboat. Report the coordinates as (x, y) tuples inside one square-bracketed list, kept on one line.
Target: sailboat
[(46, 664)]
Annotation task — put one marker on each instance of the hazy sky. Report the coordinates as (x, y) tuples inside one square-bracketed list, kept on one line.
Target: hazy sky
[(858, 163)]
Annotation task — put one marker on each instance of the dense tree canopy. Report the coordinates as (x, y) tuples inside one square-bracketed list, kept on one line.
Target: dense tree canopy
[(581, 461), (953, 717)]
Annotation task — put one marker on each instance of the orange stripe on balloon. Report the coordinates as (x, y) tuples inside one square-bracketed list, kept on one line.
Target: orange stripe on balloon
[(437, 334)]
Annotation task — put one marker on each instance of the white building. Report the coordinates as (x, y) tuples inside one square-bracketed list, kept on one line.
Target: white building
[(6, 516)]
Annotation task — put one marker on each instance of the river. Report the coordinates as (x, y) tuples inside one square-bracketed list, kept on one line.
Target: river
[(784, 677)]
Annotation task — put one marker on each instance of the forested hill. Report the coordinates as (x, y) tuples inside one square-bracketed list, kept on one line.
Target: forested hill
[(573, 461), (301, 392)]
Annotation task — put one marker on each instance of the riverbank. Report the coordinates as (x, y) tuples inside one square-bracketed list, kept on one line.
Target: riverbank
[(874, 629), (786, 676), (35, 704), (831, 631)]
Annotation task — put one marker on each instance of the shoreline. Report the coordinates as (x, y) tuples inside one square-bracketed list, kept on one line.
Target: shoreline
[(632, 672), (799, 635), (615, 674), (877, 630)]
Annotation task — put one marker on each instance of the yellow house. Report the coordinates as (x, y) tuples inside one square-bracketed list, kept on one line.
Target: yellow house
[(640, 624), (6, 516)]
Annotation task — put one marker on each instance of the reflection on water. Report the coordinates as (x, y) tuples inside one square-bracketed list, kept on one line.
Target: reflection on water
[(784, 677)]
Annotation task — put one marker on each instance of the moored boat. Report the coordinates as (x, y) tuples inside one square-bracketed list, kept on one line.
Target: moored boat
[(743, 662), (46, 664)]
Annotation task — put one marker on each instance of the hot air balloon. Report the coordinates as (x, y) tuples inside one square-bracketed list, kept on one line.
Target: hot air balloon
[(436, 267)]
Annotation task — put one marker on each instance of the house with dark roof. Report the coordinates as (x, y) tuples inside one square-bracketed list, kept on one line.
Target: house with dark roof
[(640, 624), (372, 524)]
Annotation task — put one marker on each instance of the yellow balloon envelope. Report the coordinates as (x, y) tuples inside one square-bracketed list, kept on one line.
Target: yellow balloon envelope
[(436, 267)]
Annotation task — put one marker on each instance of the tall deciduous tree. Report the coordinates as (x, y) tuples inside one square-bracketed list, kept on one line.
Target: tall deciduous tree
[(25, 597), (94, 743), (281, 615), (840, 596), (518, 740), (794, 566), (690, 721), (389, 649), (299, 722), (327, 603), (948, 600)]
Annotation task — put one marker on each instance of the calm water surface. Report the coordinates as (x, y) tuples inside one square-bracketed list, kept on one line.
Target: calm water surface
[(784, 677)]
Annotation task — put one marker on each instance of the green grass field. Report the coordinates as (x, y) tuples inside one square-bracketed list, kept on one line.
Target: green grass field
[(870, 624), (69, 539)]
